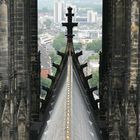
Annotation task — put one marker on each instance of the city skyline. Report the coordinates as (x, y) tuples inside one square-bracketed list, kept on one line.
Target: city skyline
[(50, 3)]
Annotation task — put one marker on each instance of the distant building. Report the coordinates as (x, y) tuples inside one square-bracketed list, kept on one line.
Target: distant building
[(81, 19), (46, 62), (91, 16), (87, 36), (45, 72), (46, 38), (58, 11)]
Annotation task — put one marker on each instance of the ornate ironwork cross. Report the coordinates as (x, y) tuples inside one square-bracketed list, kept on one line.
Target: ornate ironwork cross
[(69, 24)]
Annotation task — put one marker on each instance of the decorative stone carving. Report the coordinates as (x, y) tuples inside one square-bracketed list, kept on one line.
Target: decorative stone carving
[(116, 116), (131, 122), (6, 120), (21, 116)]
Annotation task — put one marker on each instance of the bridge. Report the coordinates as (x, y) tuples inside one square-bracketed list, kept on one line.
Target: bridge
[(70, 108)]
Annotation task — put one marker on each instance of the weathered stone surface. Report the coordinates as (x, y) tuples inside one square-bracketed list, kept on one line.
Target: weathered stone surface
[(23, 72), (120, 57), (3, 43), (6, 120), (21, 121)]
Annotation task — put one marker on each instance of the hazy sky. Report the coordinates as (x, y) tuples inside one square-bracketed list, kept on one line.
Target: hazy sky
[(49, 3)]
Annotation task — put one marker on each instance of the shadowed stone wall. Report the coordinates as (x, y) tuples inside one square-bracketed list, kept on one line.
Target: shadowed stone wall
[(119, 69)]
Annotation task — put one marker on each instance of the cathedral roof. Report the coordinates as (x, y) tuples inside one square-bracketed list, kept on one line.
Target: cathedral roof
[(69, 105)]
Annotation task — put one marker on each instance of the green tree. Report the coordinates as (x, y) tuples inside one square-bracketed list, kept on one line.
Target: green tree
[(95, 46), (48, 23), (77, 46), (94, 57), (59, 42), (95, 79), (56, 59), (45, 82)]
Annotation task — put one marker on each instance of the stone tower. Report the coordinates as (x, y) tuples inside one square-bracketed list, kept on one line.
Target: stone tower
[(119, 68), (21, 101), (3, 44), (4, 79)]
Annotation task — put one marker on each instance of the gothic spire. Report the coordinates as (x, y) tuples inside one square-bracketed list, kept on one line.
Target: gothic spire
[(69, 25), (22, 111), (21, 121), (6, 120), (132, 116), (115, 134), (6, 112)]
